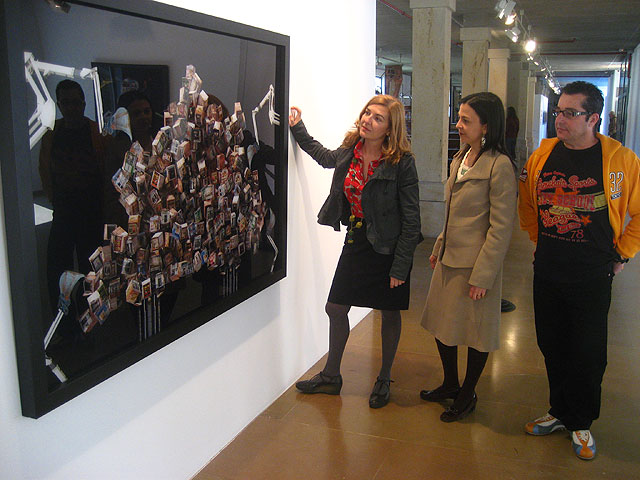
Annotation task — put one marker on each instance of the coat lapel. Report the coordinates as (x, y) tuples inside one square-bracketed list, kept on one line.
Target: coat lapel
[(480, 170)]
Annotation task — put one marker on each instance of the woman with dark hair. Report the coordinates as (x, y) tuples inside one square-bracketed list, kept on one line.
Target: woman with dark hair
[(140, 112), (463, 304), (140, 116), (374, 192)]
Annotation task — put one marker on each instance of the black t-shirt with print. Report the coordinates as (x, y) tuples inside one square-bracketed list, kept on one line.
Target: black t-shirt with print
[(75, 172), (575, 238)]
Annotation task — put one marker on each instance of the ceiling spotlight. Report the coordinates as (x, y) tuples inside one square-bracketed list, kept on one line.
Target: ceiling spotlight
[(505, 9), (530, 46), (511, 17), (513, 33), (59, 5)]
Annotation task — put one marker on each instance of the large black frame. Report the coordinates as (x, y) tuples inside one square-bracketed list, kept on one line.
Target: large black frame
[(37, 399)]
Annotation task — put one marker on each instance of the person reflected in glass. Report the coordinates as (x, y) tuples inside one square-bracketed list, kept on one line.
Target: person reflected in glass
[(141, 116), (374, 193), (140, 113), (70, 164), (463, 303)]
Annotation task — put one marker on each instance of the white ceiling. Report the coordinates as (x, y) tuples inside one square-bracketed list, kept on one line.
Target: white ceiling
[(573, 35)]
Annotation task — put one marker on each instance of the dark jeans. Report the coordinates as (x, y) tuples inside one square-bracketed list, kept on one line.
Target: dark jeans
[(76, 229), (571, 327)]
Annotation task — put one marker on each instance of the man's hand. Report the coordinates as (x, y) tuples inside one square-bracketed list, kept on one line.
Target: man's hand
[(617, 267)]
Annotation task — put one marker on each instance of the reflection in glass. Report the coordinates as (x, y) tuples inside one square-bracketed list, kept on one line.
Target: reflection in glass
[(174, 212)]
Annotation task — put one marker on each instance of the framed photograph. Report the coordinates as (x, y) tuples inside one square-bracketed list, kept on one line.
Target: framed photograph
[(70, 185)]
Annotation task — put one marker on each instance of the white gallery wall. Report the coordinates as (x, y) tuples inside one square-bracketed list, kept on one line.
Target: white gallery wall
[(168, 415)]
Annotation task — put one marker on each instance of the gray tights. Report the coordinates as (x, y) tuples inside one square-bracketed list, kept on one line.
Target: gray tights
[(339, 333)]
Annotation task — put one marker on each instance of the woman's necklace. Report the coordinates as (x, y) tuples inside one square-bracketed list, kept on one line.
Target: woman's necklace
[(464, 167), (469, 160)]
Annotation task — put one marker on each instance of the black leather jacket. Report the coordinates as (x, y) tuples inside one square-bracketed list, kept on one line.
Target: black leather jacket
[(390, 201)]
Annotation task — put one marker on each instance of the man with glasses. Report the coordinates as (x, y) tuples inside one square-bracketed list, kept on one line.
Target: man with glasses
[(575, 193), (70, 165)]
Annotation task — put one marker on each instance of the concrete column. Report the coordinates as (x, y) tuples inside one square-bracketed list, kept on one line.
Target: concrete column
[(513, 84), (524, 109), (498, 72), (531, 98), (430, 105), (475, 65)]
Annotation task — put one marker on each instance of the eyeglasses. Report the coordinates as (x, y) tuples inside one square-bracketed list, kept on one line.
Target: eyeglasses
[(569, 113)]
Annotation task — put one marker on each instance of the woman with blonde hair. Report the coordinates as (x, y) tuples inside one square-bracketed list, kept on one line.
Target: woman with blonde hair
[(374, 193)]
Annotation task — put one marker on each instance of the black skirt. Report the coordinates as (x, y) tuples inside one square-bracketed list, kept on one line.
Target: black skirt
[(362, 277)]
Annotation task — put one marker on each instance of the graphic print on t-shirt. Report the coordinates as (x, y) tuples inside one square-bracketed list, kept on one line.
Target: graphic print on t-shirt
[(566, 205), (575, 238)]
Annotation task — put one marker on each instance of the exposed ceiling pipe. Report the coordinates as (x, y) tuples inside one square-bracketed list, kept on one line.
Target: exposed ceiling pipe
[(550, 54), (571, 40), (390, 59), (396, 9)]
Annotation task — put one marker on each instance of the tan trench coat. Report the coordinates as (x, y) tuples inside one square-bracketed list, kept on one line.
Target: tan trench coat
[(479, 215)]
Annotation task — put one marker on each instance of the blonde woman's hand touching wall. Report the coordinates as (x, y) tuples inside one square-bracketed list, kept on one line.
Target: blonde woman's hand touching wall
[(295, 116)]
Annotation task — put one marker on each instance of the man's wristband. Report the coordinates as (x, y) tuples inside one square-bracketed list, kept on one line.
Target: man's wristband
[(619, 259)]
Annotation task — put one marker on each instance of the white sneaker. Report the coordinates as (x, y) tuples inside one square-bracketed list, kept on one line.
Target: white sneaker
[(584, 445), (544, 425)]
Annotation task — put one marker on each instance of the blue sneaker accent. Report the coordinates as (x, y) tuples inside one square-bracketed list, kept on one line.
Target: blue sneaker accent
[(584, 445), (544, 425)]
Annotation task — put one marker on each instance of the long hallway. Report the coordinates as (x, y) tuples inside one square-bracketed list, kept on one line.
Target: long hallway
[(339, 437)]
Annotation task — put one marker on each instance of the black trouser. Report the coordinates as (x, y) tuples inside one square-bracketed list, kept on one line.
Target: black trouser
[(571, 327), (76, 228)]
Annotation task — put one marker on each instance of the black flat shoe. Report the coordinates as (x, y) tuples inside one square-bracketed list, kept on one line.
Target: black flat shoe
[(321, 383), (439, 394), (452, 414), (506, 306), (380, 394)]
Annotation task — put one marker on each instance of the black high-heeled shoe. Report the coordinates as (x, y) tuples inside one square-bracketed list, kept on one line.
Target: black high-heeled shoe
[(380, 394), (452, 414), (440, 394), (321, 383)]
